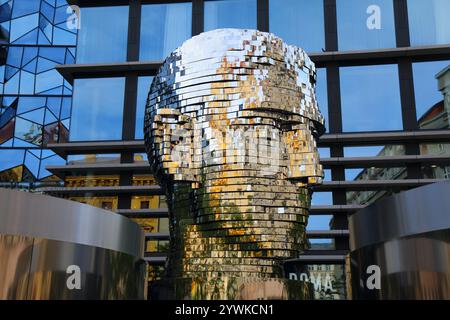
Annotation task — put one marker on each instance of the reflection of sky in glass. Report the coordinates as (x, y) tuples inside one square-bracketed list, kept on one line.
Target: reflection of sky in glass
[(370, 98), (97, 109), (355, 152), (298, 22), (230, 14), (142, 93), (164, 27), (351, 174), (103, 34), (429, 21), (426, 85), (353, 32), (362, 151), (319, 222), (321, 198), (10, 158), (324, 152)]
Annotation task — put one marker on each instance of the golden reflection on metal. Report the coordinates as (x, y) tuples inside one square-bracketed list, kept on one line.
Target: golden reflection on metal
[(230, 128)]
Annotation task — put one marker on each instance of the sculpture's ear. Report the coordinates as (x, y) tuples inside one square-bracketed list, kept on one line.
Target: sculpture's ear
[(172, 145)]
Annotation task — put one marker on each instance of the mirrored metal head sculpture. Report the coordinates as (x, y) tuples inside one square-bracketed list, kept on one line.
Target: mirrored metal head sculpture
[(230, 127)]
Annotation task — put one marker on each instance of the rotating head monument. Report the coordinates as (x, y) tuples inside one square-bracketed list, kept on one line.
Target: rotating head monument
[(230, 128)]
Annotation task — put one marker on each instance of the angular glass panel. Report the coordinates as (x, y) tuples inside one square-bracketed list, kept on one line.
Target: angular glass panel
[(164, 27), (298, 22), (15, 56), (230, 14), (62, 37), (54, 54), (97, 109), (24, 7), (10, 159), (429, 22), (26, 82), (28, 131), (365, 24), (51, 161), (100, 39), (35, 116), (370, 98), (54, 104), (30, 103), (49, 80), (21, 26), (29, 54), (432, 93), (32, 163), (143, 89)]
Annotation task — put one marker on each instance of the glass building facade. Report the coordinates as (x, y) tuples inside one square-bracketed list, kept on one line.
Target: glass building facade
[(382, 86)]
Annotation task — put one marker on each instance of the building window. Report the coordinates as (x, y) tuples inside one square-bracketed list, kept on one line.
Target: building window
[(298, 22), (322, 198), (164, 27), (142, 93), (107, 205), (431, 83), (145, 204), (230, 14), (429, 22), (97, 109), (365, 24), (370, 98), (103, 35), (319, 222)]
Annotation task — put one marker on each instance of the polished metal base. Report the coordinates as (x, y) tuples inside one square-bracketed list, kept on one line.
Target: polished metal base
[(406, 236), (44, 239)]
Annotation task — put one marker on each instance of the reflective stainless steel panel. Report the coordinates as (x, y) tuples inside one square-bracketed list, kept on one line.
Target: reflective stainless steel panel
[(408, 237), (41, 236), (42, 216)]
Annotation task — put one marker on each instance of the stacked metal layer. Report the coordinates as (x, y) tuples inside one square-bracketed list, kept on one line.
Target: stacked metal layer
[(230, 129)]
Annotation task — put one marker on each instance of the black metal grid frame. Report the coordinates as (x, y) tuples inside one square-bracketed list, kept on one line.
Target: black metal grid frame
[(332, 59)]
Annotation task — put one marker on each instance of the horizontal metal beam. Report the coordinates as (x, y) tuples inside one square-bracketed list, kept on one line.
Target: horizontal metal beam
[(144, 213), (366, 185), (315, 234), (150, 236), (97, 147), (102, 3), (333, 209), (321, 59), (327, 140), (98, 168), (350, 162), (325, 234), (384, 162), (97, 191), (318, 259), (155, 260), (70, 72), (314, 210), (382, 138), (380, 56), (303, 259)]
